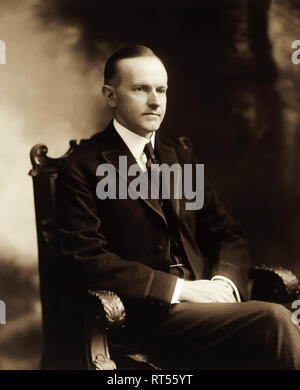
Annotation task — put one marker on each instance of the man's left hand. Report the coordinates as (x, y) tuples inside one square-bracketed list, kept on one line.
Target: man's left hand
[(229, 297)]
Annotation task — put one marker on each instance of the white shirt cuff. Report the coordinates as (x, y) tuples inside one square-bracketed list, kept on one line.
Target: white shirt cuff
[(235, 289), (177, 290)]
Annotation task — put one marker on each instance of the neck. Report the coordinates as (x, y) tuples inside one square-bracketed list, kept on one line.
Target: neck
[(142, 132)]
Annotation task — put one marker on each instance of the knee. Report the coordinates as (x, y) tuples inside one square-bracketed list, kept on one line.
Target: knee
[(276, 315)]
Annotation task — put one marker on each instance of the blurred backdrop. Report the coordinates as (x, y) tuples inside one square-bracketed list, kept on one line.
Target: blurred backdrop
[(232, 88)]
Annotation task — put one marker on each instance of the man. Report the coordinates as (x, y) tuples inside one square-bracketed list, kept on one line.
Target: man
[(182, 274)]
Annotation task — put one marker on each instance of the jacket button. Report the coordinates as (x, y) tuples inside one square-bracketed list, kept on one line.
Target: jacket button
[(158, 248)]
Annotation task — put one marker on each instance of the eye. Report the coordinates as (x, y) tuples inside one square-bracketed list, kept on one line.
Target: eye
[(162, 90), (140, 88)]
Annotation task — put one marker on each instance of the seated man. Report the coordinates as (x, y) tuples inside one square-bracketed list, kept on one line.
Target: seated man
[(180, 271)]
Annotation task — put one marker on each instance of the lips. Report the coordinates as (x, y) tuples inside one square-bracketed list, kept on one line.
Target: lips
[(152, 114)]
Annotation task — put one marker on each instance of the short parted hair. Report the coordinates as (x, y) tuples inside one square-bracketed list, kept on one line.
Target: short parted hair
[(110, 68)]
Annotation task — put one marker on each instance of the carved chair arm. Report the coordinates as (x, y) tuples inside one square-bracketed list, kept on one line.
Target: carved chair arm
[(110, 320), (104, 316), (110, 308), (274, 284)]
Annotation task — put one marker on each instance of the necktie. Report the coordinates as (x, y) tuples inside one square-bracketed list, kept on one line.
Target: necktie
[(149, 152), (153, 171)]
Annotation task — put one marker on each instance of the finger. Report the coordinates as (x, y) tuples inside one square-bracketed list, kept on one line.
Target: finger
[(229, 298), (227, 295)]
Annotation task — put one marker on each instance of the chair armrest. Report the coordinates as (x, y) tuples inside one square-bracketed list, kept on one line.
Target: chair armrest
[(273, 284), (104, 315), (106, 322), (109, 308)]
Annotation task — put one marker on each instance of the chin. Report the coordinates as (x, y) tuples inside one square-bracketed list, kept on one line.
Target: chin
[(151, 130), (152, 126)]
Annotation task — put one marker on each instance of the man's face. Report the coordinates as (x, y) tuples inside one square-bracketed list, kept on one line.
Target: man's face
[(140, 94)]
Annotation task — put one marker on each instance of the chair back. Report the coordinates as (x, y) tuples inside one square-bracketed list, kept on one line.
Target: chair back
[(44, 174)]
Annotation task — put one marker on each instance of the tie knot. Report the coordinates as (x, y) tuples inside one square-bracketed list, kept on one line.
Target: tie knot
[(149, 152)]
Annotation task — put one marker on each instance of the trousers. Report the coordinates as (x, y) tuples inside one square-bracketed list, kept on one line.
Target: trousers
[(248, 335)]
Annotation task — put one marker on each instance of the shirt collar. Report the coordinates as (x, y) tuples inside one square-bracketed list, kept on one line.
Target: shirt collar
[(134, 142)]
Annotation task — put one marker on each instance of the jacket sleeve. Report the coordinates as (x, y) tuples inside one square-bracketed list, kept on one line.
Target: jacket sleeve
[(84, 248)]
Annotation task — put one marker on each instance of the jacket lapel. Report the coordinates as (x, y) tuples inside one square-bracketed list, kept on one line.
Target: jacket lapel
[(112, 149), (168, 156)]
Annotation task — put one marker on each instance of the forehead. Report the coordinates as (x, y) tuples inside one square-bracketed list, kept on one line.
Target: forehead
[(142, 70)]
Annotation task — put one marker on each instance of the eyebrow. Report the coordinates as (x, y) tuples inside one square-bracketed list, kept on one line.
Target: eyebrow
[(148, 86)]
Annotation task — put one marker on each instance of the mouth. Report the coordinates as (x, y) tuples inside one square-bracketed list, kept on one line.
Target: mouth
[(151, 114)]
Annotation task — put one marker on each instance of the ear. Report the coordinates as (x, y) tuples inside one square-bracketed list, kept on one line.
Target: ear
[(109, 94)]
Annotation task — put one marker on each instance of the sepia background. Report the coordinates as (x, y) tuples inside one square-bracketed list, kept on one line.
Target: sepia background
[(232, 88)]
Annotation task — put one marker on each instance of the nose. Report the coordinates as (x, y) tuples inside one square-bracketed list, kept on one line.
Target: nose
[(153, 99)]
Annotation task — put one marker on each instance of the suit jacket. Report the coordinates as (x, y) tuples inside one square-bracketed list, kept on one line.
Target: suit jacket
[(123, 245)]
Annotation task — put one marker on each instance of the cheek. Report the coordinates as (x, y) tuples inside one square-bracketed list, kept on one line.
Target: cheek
[(133, 104), (126, 106), (136, 107)]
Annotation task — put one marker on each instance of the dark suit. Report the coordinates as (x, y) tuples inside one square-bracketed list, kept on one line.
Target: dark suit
[(123, 245)]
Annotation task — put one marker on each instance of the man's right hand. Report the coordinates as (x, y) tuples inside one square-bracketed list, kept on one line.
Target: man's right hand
[(201, 291)]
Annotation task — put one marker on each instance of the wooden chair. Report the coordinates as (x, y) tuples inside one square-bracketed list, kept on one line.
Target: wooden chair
[(105, 314)]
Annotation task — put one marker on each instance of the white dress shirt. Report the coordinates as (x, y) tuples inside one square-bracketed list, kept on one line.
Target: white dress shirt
[(136, 144)]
